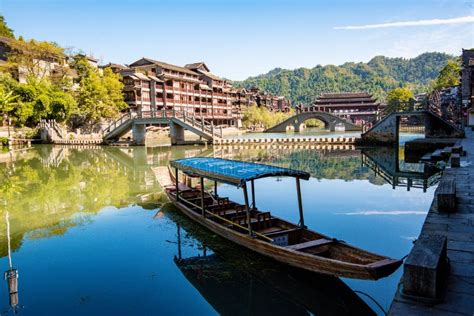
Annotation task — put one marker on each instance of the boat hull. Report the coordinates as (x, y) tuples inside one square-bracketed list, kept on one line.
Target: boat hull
[(292, 257)]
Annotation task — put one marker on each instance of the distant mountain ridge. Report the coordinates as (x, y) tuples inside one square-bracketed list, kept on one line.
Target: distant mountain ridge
[(378, 76)]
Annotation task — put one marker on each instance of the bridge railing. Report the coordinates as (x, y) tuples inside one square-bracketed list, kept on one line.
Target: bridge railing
[(53, 128), (195, 121), (124, 118)]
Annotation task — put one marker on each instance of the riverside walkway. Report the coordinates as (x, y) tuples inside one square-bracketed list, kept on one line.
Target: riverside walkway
[(458, 228)]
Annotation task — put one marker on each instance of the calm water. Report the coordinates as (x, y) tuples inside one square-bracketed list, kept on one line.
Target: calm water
[(91, 235)]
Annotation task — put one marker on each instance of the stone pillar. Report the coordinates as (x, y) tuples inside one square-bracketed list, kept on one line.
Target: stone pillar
[(44, 136), (386, 131), (139, 134), (331, 126), (176, 133)]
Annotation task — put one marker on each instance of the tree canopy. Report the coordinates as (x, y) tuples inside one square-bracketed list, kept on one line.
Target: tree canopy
[(378, 76), (4, 29), (37, 99), (37, 58), (448, 76), (261, 117), (398, 99), (98, 96)]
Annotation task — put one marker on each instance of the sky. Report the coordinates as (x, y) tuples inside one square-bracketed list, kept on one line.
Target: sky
[(242, 38)]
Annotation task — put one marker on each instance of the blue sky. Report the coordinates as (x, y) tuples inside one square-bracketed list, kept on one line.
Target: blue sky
[(241, 38)]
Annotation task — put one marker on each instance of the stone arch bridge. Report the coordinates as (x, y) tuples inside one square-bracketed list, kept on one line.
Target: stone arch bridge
[(330, 121)]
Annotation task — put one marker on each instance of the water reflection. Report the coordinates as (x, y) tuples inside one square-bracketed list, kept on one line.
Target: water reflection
[(237, 282), (11, 275), (388, 163), (56, 196)]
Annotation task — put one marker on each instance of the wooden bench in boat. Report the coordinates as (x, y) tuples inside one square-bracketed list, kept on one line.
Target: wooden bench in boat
[(220, 207), (182, 188), (310, 244), (259, 220), (275, 231)]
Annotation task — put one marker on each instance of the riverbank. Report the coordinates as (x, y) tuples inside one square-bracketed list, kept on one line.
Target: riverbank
[(458, 228)]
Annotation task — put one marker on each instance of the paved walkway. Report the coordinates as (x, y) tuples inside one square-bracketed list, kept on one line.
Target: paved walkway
[(459, 230)]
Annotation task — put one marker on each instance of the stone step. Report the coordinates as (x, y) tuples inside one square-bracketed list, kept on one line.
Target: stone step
[(446, 152), (455, 160), (436, 155)]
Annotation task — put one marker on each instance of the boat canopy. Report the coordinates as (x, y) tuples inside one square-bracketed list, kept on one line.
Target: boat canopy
[(233, 172)]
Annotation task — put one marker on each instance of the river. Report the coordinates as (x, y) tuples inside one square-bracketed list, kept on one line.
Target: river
[(91, 233)]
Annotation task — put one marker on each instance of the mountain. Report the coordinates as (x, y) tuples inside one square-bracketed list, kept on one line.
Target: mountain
[(378, 76)]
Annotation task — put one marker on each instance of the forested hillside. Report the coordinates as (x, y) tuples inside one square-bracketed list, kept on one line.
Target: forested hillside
[(378, 76)]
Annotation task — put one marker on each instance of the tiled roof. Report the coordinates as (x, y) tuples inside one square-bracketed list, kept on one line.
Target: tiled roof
[(197, 65), (163, 65)]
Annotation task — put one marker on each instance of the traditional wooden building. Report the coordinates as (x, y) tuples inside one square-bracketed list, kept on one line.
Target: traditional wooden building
[(467, 78), (116, 68), (266, 99), (357, 107), (152, 86)]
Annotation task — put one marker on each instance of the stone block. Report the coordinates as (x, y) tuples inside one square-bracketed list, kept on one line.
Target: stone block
[(446, 196), (455, 161), (425, 270)]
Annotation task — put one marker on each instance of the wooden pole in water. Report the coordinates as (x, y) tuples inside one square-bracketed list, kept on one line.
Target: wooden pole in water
[(300, 203), (253, 194), (247, 208), (177, 184), (202, 196)]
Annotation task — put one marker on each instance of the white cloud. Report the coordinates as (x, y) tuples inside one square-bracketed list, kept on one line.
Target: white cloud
[(459, 20), (450, 39)]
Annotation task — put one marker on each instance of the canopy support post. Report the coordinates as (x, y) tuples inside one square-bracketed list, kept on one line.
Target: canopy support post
[(202, 196), (177, 184), (300, 203), (215, 188), (253, 194), (247, 208)]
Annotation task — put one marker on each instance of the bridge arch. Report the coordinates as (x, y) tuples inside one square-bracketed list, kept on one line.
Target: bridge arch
[(299, 122), (330, 121)]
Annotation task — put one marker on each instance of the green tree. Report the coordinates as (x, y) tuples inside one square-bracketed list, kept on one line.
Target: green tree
[(448, 76), (398, 99), (261, 117), (99, 97), (7, 104), (4, 29), (37, 99)]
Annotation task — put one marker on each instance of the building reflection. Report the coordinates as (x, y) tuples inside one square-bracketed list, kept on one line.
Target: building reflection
[(387, 163), (236, 281)]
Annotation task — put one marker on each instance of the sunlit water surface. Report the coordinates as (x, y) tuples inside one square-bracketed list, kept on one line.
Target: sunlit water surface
[(90, 236)]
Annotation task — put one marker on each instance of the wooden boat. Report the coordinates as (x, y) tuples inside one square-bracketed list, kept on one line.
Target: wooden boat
[(290, 243)]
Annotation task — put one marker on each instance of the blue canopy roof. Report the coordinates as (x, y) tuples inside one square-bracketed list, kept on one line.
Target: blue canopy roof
[(232, 171)]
